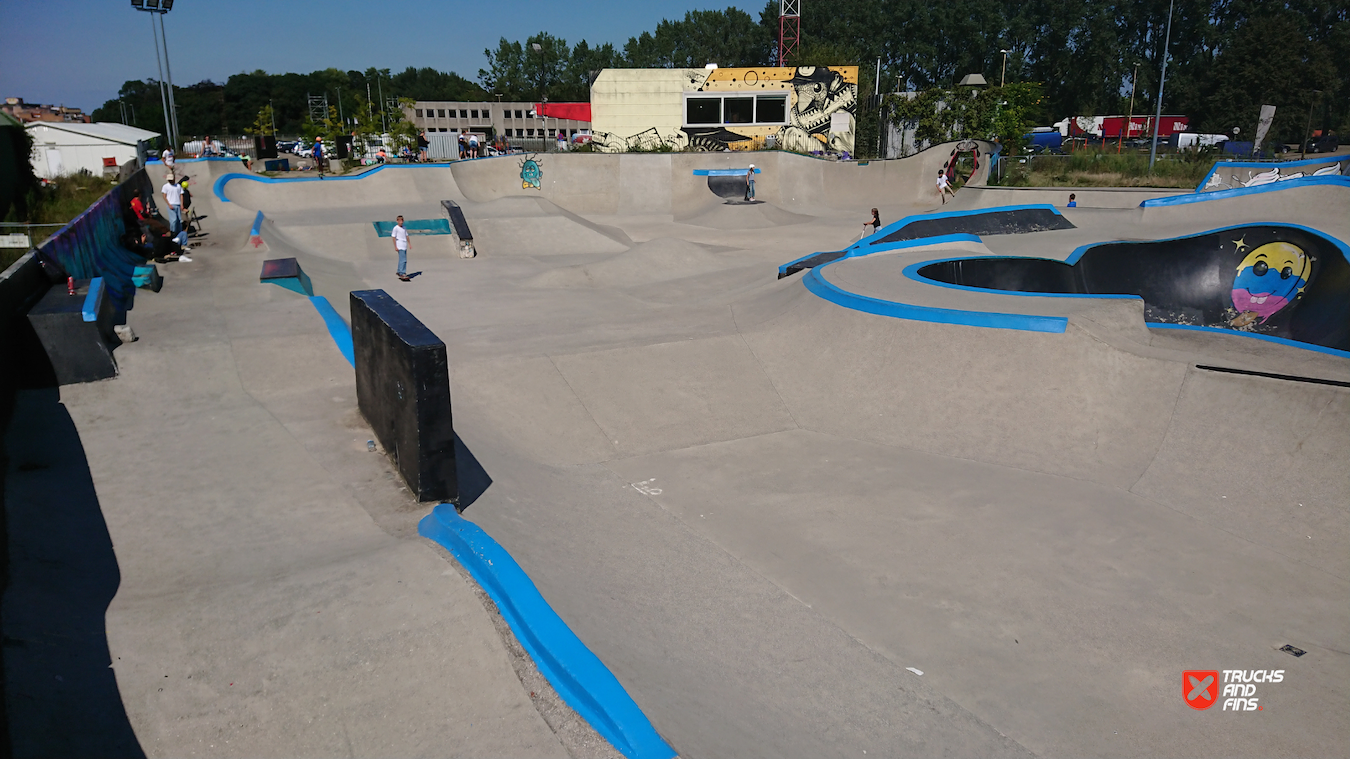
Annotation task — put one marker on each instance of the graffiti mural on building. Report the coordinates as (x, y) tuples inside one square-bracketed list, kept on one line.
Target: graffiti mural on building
[(807, 109)]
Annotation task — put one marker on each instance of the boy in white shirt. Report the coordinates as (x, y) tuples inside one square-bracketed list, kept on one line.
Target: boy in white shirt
[(400, 236), (173, 197), (944, 186)]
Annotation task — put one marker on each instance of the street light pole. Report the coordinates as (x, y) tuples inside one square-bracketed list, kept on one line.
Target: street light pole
[(1307, 133), (1004, 78), (1153, 152), (163, 99), (168, 71), (1129, 120)]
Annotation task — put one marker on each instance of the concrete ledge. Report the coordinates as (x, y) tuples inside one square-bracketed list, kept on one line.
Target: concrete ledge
[(403, 390)]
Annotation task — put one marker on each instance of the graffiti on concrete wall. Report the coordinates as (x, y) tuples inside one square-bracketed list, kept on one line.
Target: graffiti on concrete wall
[(1229, 175), (531, 175), (808, 109)]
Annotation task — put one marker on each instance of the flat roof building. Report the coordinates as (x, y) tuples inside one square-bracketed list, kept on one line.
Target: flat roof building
[(499, 119)]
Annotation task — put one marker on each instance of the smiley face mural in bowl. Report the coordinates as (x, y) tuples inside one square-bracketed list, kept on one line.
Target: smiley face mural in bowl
[(1268, 279)]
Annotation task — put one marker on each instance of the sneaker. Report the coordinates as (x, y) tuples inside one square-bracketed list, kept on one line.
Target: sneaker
[(185, 259), (404, 278)]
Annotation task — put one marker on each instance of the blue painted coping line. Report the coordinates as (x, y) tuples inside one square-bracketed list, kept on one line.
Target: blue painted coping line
[(903, 222), (219, 187), (1201, 197), (912, 272), (1267, 164), (1345, 249), (257, 225), (92, 299), (723, 172), (342, 334), (579, 676), (827, 290)]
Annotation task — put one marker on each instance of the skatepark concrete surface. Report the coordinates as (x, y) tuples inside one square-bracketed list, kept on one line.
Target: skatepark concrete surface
[(788, 528)]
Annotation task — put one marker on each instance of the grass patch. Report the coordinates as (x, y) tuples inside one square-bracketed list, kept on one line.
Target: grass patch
[(1091, 168), (57, 203)]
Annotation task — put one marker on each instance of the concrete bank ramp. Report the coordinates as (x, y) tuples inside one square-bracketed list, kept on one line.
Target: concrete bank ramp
[(665, 184), (739, 215), (646, 263), (533, 225)]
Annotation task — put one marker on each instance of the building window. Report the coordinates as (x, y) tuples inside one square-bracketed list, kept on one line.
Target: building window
[(440, 113), (771, 109), (738, 110), (733, 108), (703, 111), (474, 114), (520, 132), (518, 114), (529, 114), (530, 132), (463, 114), (419, 113)]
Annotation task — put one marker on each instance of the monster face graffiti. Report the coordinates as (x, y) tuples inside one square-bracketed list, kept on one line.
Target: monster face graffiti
[(530, 174), (1268, 279)]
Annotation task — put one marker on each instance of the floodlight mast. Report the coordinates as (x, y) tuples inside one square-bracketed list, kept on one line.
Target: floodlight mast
[(789, 29), (161, 7)]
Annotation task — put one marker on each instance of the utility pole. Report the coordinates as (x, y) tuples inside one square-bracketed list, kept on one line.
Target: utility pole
[(1129, 120), (1307, 133), (1004, 78), (273, 113), (1153, 153), (379, 84)]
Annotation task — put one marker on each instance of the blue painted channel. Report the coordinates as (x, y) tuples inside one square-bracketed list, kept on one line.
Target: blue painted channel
[(578, 675), (582, 680), (219, 187), (342, 334)]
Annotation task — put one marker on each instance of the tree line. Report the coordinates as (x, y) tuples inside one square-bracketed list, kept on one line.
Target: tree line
[(1227, 59)]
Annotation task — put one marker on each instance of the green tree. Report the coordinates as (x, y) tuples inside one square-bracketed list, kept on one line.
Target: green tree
[(402, 132), (263, 123), (728, 38)]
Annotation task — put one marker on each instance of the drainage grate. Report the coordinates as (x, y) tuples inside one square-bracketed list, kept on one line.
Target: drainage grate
[(1288, 649)]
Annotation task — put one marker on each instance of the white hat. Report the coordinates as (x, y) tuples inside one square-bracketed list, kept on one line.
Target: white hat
[(752, 166)]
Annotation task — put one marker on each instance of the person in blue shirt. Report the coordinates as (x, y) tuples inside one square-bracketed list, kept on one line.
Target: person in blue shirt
[(318, 156), (1073, 202)]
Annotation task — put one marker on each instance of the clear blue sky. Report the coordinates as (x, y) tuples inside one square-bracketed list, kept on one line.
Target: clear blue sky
[(78, 52)]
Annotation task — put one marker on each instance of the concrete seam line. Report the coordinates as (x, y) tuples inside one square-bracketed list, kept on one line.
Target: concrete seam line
[(575, 672), (342, 334)]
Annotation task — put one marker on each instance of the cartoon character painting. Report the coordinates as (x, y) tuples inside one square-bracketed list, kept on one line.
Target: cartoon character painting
[(530, 174), (1268, 279)]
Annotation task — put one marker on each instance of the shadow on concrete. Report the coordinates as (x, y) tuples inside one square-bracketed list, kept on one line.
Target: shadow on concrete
[(473, 479), (60, 691)]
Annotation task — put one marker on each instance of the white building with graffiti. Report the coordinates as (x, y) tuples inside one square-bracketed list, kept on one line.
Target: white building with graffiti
[(804, 109)]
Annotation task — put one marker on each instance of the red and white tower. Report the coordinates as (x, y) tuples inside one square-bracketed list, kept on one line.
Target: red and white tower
[(789, 29)]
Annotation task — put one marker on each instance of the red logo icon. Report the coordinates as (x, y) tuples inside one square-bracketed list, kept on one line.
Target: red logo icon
[(1200, 687)]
